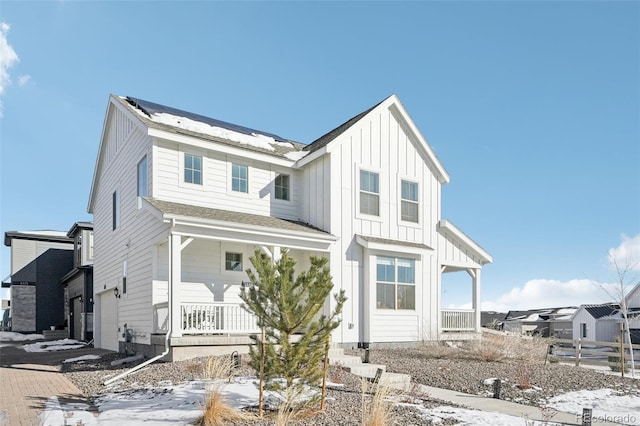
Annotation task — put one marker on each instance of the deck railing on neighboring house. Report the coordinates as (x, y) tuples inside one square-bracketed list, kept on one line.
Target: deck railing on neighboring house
[(458, 319), (208, 318)]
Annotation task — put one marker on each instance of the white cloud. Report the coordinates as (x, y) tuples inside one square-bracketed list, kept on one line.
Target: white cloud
[(8, 57), (548, 293), (24, 79), (545, 293), (627, 254)]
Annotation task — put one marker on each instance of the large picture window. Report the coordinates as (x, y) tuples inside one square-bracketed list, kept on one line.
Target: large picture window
[(395, 283), (193, 169), (409, 201), (369, 193), (239, 178)]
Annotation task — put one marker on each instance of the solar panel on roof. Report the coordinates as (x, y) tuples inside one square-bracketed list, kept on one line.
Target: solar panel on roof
[(150, 108)]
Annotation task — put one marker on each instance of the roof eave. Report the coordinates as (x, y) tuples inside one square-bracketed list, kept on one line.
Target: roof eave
[(483, 254)]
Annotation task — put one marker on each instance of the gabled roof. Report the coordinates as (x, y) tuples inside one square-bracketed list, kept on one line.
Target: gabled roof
[(599, 311), (393, 104), (79, 226), (446, 226)]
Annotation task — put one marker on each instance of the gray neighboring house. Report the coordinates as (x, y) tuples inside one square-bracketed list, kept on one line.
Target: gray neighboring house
[(39, 259), (78, 283), (547, 322)]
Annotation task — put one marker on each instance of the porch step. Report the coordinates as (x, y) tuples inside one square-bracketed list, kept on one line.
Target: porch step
[(354, 365)]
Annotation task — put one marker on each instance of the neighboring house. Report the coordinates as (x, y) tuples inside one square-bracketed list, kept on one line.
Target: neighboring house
[(181, 201), (548, 322), (596, 322), (78, 283), (602, 322), (39, 259), (492, 319)]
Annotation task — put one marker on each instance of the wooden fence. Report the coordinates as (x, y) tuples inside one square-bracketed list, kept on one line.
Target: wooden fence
[(590, 352)]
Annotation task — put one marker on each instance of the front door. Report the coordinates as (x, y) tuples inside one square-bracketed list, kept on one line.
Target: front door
[(76, 318)]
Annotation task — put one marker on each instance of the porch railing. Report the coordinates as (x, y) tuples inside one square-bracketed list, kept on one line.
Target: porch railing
[(458, 319), (207, 318)]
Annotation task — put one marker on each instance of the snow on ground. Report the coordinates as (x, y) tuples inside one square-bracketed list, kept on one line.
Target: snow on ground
[(473, 417), (607, 405), (10, 336), (180, 405), (82, 358), (54, 345)]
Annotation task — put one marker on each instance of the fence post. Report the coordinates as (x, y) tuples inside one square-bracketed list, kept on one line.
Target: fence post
[(578, 349)]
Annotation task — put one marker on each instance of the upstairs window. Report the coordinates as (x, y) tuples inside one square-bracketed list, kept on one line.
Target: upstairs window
[(239, 178), (409, 201), (395, 283), (142, 180), (115, 209), (142, 177), (369, 193), (193, 169), (233, 261), (282, 187)]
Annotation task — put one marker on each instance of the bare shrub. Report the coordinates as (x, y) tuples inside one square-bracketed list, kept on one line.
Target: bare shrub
[(523, 377), (376, 408), (501, 347), (216, 412), (218, 367)]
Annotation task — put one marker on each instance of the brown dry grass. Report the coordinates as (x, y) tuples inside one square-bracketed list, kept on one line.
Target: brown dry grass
[(216, 412), (376, 409), (218, 367)]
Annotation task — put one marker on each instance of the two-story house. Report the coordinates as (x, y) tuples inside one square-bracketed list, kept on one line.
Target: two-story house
[(78, 283), (39, 259), (181, 201)]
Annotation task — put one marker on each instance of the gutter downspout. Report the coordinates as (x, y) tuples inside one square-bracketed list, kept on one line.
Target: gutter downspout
[(169, 329)]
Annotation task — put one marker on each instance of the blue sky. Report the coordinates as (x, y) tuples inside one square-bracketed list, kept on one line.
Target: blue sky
[(532, 107)]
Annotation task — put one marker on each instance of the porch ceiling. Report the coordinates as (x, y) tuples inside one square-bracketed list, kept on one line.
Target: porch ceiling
[(217, 224)]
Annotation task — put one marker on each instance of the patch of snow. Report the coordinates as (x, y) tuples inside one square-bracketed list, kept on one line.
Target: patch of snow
[(607, 405), (55, 415), (10, 336), (296, 155), (54, 345), (82, 358), (465, 416), (44, 233)]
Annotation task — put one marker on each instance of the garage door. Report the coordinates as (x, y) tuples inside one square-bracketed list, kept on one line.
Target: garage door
[(108, 321)]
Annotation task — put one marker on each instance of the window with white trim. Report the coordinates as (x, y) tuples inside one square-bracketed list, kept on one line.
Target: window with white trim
[(142, 177), (369, 193), (233, 261), (409, 201), (395, 283), (282, 187), (193, 169), (239, 178)]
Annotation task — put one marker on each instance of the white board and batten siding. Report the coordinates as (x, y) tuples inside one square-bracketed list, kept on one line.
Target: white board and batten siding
[(125, 143), (581, 316), (215, 190), (329, 196)]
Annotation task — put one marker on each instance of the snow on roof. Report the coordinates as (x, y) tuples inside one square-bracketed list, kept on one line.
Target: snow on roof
[(44, 233), (566, 311)]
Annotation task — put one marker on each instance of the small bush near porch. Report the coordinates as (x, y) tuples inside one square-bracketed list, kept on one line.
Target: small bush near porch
[(286, 306)]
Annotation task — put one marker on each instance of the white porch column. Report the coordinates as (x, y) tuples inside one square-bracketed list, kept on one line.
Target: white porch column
[(476, 298), (175, 277)]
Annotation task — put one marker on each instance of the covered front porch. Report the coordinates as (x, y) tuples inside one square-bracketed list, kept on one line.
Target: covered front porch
[(199, 273), (460, 255)]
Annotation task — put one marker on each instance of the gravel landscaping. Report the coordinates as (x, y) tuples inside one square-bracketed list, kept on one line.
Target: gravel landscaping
[(465, 369)]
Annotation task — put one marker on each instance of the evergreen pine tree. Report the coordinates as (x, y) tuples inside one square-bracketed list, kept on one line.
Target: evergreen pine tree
[(285, 307)]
